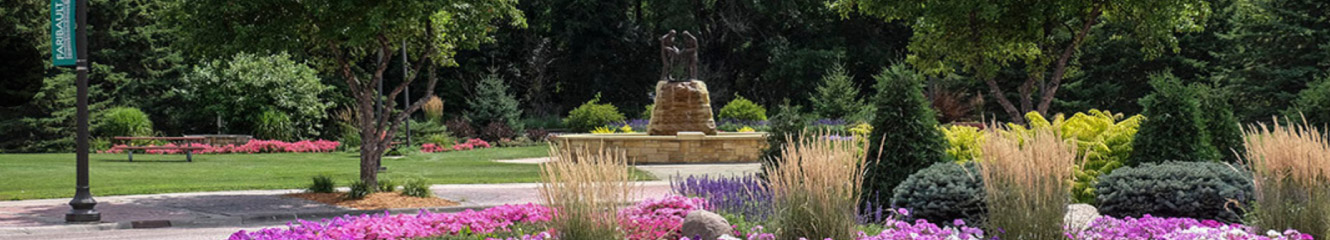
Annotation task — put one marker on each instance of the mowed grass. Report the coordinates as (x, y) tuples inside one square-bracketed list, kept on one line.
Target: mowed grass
[(39, 176)]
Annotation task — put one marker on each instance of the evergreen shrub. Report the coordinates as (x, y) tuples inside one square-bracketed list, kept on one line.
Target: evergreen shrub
[(1201, 190)]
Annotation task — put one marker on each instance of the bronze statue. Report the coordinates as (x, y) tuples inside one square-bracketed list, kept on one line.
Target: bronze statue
[(671, 57)]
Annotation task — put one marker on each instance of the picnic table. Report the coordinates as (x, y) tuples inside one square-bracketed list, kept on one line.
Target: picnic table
[(183, 146)]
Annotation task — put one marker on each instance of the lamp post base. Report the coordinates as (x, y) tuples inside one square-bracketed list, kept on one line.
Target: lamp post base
[(83, 216), (83, 207)]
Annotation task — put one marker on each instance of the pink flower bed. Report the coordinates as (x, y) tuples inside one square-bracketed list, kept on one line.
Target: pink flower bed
[(425, 224), (658, 218), (468, 145), (253, 146)]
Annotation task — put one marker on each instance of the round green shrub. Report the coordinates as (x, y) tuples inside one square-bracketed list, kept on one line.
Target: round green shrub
[(1201, 190), (124, 121), (742, 109), (592, 114), (942, 193)]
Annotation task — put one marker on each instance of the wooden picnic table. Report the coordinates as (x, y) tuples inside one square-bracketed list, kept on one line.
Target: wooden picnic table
[(189, 150)]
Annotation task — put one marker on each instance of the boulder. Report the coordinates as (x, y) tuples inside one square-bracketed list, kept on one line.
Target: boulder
[(1079, 216), (705, 225), (681, 107)]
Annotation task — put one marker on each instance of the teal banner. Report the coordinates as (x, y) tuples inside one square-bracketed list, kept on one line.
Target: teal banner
[(63, 49)]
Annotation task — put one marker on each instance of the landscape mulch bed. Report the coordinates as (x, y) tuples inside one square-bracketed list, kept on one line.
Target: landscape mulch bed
[(375, 200)]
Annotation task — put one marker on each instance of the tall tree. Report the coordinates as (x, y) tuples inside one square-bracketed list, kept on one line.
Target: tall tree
[(1282, 46), (356, 40), (981, 36)]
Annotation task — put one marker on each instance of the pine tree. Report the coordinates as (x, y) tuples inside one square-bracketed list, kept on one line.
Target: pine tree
[(1281, 47), (836, 96), (492, 102), (1174, 127), (1222, 126), (905, 131)]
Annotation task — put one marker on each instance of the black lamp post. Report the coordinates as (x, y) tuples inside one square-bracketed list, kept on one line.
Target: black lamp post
[(83, 205)]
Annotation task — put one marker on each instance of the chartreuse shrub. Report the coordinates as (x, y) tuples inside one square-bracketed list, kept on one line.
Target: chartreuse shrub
[(592, 114), (1201, 190), (963, 142), (124, 121), (1291, 170), (1174, 128), (742, 109), (1026, 176), (813, 190), (905, 137), (1103, 144), (942, 193)]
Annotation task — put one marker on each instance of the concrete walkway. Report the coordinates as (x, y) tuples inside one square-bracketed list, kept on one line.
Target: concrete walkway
[(217, 214)]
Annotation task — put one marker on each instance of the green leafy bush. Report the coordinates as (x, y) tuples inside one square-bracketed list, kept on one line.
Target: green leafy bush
[(242, 88), (942, 193), (387, 185), (322, 184), (124, 121), (592, 114), (492, 103), (837, 97), (274, 125), (416, 188), (742, 109), (1103, 141), (1174, 129), (359, 190), (1220, 122), (1201, 190), (1311, 101), (905, 137)]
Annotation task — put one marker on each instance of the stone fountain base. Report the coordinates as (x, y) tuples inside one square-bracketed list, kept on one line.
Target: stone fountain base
[(683, 147)]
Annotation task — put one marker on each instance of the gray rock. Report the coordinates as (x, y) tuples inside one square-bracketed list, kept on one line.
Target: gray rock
[(705, 225), (1079, 216)]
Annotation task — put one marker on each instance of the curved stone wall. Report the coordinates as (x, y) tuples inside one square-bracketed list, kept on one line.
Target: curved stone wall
[(683, 147)]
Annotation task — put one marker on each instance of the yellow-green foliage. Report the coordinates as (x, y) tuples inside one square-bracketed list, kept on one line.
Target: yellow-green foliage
[(602, 130), (1103, 143), (626, 129), (964, 142)]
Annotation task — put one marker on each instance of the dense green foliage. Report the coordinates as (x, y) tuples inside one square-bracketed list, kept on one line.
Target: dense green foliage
[(1174, 129), (905, 137), (492, 103), (742, 109), (942, 193), (1201, 190), (359, 190), (1103, 144), (1279, 47), (20, 65), (592, 114), (963, 142), (837, 97), (248, 91), (416, 188), (788, 123), (322, 184), (1221, 124), (123, 121), (983, 37), (1313, 103)]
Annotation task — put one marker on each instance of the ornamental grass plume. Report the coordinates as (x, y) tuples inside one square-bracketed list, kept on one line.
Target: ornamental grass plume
[(816, 187), (1027, 178), (584, 186), (1291, 173)]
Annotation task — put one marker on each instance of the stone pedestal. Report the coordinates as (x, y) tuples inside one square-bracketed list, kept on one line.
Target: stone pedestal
[(682, 107)]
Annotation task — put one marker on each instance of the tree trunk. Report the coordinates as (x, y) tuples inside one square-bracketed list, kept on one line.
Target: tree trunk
[(1016, 116)]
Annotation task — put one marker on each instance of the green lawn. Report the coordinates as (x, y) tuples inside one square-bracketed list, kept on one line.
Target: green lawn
[(37, 176)]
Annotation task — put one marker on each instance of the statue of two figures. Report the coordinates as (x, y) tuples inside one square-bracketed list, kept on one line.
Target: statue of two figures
[(682, 102), (676, 60)]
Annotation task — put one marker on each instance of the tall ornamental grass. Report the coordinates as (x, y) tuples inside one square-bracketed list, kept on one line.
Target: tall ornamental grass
[(584, 186), (1027, 177), (815, 189), (1291, 173)]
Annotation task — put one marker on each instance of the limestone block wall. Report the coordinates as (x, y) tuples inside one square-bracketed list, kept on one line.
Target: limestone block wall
[(684, 147)]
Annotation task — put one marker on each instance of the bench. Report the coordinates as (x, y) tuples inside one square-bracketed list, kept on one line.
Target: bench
[(185, 141)]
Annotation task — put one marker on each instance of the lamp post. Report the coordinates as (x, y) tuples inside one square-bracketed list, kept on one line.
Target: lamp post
[(83, 206)]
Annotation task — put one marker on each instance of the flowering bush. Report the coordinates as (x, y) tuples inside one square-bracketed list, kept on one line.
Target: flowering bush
[(658, 218), (425, 224), (253, 146), (899, 230), (1149, 227), (468, 145)]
